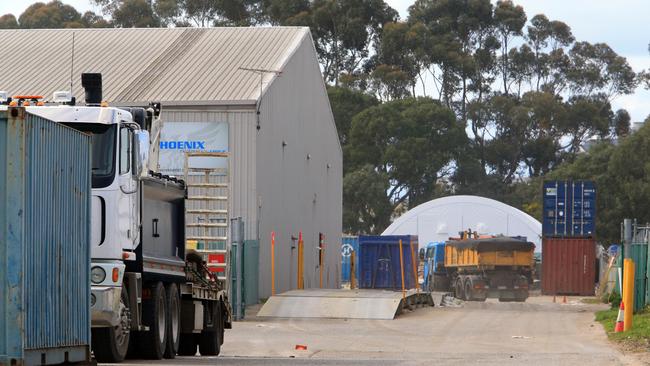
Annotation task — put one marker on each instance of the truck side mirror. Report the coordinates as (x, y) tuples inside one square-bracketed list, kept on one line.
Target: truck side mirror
[(141, 158), (421, 253)]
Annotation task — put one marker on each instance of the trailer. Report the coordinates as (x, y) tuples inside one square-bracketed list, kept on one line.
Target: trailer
[(149, 296), (475, 269)]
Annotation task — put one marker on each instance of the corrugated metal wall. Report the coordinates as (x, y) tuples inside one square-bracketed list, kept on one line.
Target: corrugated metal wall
[(285, 188), (568, 266), (299, 175), (45, 188), (241, 145)]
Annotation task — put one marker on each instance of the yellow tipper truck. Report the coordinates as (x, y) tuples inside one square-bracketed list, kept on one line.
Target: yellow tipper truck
[(497, 267)]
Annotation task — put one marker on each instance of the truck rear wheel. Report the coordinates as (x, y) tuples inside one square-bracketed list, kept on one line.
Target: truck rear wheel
[(187, 345), (210, 338), (110, 344), (154, 315), (459, 289), (173, 321), (469, 293)]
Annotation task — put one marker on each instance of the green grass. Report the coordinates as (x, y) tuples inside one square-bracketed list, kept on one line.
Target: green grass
[(591, 300), (637, 338)]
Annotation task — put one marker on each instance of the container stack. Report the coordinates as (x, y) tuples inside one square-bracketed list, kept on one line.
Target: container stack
[(568, 238)]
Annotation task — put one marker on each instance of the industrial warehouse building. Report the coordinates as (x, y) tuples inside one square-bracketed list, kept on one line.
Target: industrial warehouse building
[(257, 93)]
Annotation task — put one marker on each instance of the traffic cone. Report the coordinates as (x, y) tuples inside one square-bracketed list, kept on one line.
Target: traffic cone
[(620, 319)]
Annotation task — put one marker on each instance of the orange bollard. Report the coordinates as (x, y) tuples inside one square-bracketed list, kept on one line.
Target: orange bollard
[(300, 279), (401, 264), (415, 269)]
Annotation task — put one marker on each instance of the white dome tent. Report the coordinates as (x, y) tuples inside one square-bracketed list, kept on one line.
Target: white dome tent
[(439, 219)]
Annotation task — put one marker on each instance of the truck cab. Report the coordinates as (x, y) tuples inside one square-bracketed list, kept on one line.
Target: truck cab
[(142, 282), (434, 267)]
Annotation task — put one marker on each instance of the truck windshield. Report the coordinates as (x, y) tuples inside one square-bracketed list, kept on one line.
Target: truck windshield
[(103, 151)]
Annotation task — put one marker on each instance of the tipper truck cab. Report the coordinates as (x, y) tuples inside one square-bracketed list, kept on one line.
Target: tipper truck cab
[(150, 297), (477, 268)]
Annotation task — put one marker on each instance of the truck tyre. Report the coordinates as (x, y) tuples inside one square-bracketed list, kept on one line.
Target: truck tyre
[(210, 342), (187, 345), (173, 321), (111, 344), (521, 297), (154, 316), (469, 292), (459, 289)]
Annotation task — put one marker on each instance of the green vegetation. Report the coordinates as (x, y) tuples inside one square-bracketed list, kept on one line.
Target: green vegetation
[(510, 98), (636, 339)]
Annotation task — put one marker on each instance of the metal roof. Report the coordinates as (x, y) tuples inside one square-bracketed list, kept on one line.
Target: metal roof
[(177, 66)]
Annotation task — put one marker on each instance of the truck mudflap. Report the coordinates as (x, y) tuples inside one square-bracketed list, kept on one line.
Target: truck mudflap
[(228, 311)]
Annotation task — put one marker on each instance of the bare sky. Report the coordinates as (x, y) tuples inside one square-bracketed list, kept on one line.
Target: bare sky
[(622, 24)]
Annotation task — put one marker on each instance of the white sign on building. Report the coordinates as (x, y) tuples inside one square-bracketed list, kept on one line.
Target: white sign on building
[(177, 138)]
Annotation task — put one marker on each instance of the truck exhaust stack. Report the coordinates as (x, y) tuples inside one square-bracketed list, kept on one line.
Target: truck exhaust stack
[(92, 84)]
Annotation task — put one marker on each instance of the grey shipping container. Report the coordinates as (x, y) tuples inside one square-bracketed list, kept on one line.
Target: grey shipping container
[(45, 193)]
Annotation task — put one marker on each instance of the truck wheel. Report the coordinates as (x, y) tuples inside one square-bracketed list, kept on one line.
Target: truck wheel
[(469, 295), (459, 289), (154, 316), (110, 344), (187, 345), (173, 321), (210, 342), (521, 297)]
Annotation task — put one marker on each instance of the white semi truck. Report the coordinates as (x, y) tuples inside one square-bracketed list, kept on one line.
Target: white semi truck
[(150, 298)]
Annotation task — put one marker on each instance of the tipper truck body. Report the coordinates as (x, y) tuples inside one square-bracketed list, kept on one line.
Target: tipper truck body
[(150, 297), (475, 269)]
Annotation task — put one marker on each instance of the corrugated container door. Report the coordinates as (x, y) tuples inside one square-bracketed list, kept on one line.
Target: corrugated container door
[(554, 209), (568, 266), (45, 231), (583, 208), (379, 259), (349, 244)]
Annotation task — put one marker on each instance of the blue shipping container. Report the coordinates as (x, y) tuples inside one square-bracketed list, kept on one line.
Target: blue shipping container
[(349, 244), (45, 191), (379, 261), (569, 209)]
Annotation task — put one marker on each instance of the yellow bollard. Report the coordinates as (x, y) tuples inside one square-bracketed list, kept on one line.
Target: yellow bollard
[(353, 277), (272, 263), (628, 293), (401, 264), (415, 269)]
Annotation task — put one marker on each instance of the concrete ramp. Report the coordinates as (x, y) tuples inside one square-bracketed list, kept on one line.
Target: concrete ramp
[(345, 304)]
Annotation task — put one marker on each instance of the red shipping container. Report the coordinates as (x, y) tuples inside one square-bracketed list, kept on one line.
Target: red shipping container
[(568, 266)]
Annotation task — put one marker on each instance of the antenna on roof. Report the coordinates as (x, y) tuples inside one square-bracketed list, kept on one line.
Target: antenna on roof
[(261, 73), (72, 63)]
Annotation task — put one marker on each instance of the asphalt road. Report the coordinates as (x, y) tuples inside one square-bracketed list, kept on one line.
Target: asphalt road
[(537, 332)]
